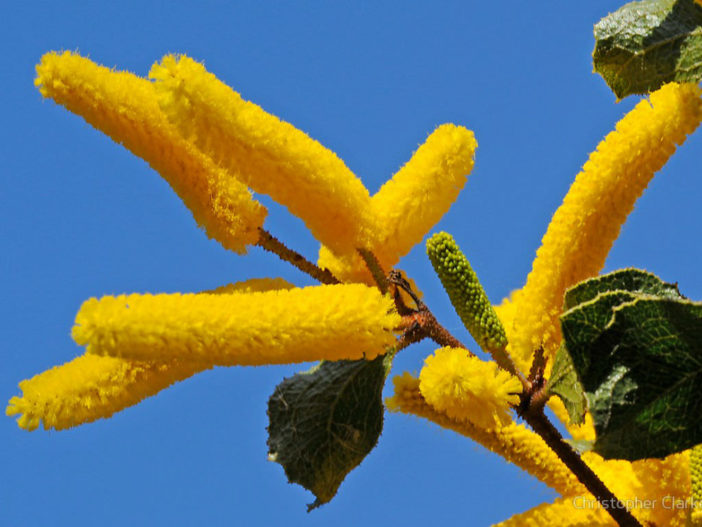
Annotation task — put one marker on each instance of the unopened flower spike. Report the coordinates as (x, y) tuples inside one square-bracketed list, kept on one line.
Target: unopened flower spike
[(269, 155), (125, 107), (468, 297)]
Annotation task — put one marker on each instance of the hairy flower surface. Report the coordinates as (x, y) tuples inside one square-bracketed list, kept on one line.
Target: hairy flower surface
[(513, 441), (125, 107), (467, 388), (269, 155), (584, 227), (247, 329), (92, 387), (408, 205)]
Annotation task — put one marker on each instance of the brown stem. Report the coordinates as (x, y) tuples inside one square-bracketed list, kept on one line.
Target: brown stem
[(375, 269), (268, 242), (421, 322), (536, 418), (440, 334)]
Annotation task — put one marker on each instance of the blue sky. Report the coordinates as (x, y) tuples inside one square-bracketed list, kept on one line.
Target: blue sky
[(83, 217)]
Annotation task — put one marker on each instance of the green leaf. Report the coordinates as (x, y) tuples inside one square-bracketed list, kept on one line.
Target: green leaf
[(565, 384), (324, 422), (645, 44), (638, 357), (633, 280)]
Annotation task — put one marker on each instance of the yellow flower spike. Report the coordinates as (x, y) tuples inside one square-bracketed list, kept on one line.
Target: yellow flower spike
[(581, 511), (347, 268), (506, 312), (92, 387), (330, 322), (421, 192), (125, 107), (271, 156), (514, 442), (695, 467), (407, 206), (466, 388), (585, 226), (661, 480)]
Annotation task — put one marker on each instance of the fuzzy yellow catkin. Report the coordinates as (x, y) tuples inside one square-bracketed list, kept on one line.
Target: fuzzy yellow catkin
[(648, 487), (695, 464), (331, 322), (666, 482), (514, 442), (581, 511), (414, 200), (271, 156), (125, 107), (409, 204), (585, 226), (466, 388), (92, 387)]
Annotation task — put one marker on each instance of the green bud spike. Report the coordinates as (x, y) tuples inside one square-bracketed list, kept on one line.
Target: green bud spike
[(466, 294)]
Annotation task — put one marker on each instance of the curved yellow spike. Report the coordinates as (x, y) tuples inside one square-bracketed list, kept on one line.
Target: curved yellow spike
[(514, 442), (92, 387), (409, 204), (414, 200), (125, 107), (271, 156), (331, 322), (585, 226)]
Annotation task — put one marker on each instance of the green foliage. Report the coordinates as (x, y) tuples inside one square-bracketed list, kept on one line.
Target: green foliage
[(645, 44), (324, 422), (467, 295), (632, 280), (564, 383), (637, 352)]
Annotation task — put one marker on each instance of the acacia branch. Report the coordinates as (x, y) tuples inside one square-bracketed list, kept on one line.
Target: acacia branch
[(270, 243), (420, 323), (531, 409)]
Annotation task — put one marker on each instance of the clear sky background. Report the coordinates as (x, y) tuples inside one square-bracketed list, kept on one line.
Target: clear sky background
[(83, 217)]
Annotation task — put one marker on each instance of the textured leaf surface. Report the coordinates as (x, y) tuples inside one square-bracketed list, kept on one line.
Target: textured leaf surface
[(639, 360), (632, 280), (324, 422), (565, 384), (645, 44)]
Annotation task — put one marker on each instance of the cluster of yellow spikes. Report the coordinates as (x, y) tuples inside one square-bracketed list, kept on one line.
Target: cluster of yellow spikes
[(213, 148)]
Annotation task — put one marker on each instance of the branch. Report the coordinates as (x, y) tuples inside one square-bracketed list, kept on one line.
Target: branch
[(272, 244), (532, 410), (375, 269), (421, 322)]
